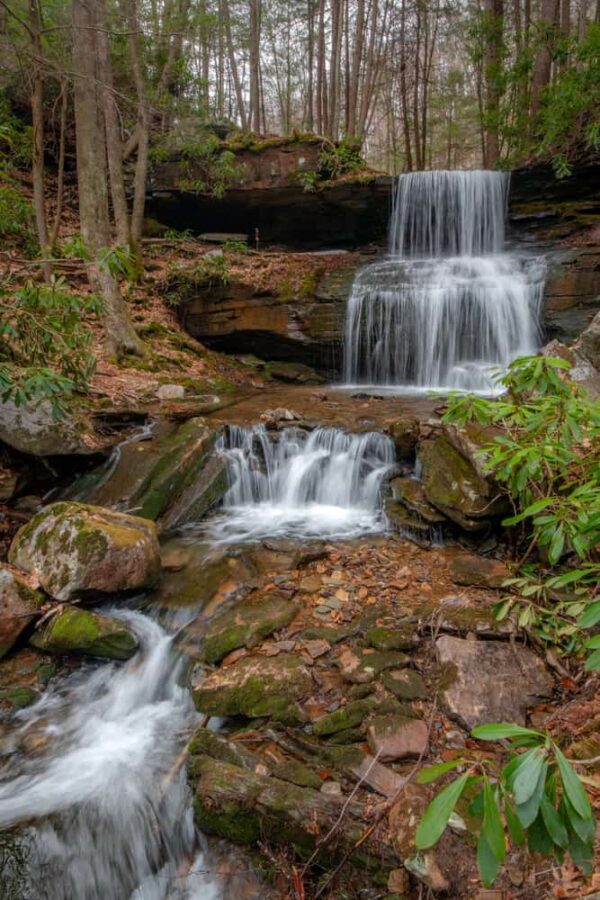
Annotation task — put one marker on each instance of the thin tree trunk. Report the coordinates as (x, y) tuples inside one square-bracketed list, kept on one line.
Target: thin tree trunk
[(357, 54), (37, 117), (310, 106), (542, 66), (255, 16), (403, 89), (60, 182), (233, 67), (334, 72), (143, 127), (494, 12), (113, 131)]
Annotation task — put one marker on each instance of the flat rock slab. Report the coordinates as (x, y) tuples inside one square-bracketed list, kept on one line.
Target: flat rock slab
[(471, 569), (363, 665), (256, 686), (397, 737), (246, 625), (491, 681)]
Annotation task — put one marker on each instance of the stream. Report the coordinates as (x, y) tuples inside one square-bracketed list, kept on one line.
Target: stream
[(93, 792)]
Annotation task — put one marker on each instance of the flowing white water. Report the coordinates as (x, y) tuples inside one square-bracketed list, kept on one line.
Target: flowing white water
[(98, 822), (322, 483), (447, 308)]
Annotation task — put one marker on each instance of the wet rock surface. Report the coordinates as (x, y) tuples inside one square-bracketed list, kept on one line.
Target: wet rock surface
[(73, 549), (19, 607), (73, 630)]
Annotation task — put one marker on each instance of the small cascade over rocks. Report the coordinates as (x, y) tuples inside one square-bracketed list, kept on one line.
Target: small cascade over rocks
[(104, 811), (447, 308), (307, 484)]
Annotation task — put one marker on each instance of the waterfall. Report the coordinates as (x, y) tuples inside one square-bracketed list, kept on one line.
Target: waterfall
[(297, 483), (448, 307)]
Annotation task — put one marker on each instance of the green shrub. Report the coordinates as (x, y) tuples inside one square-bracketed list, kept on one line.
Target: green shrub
[(45, 343), (17, 221), (547, 458), (536, 799)]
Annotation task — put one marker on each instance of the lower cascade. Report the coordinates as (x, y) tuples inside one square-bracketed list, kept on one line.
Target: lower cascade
[(298, 483), (100, 806), (447, 308)]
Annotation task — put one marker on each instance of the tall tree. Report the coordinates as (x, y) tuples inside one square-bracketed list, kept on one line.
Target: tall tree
[(90, 128)]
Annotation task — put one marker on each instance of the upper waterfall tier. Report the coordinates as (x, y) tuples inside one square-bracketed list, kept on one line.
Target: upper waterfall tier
[(449, 214)]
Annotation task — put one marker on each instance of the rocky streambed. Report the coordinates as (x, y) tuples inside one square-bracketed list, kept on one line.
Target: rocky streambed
[(324, 673)]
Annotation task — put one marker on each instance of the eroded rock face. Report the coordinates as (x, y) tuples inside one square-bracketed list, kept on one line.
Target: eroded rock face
[(454, 486), (397, 737), (76, 630), (305, 329), (73, 549), (33, 428), (175, 478), (254, 687), (19, 606), (490, 681)]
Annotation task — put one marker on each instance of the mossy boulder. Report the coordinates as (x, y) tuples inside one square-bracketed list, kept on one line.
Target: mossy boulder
[(19, 606), (76, 630), (73, 549), (454, 486), (254, 687), (246, 625)]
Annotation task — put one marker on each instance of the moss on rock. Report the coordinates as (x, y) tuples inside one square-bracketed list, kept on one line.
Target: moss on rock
[(77, 630), (246, 625), (255, 687)]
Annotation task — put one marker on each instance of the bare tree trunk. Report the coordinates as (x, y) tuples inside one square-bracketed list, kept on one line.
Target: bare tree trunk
[(143, 126), (370, 72), (37, 117), (233, 67), (321, 81), (310, 105), (494, 15), (91, 176), (542, 66), (334, 71), (113, 131), (357, 54), (416, 89), (403, 89), (60, 181), (255, 17)]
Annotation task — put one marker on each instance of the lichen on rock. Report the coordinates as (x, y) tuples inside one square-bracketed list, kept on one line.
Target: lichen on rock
[(74, 548)]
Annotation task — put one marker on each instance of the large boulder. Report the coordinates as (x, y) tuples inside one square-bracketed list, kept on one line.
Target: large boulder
[(73, 549), (455, 484), (490, 681), (33, 428), (19, 606), (75, 630)]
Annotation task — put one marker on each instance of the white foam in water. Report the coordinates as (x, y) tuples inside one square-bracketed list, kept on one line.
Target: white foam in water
[(323, 483), (103, 828), (447, 310)]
